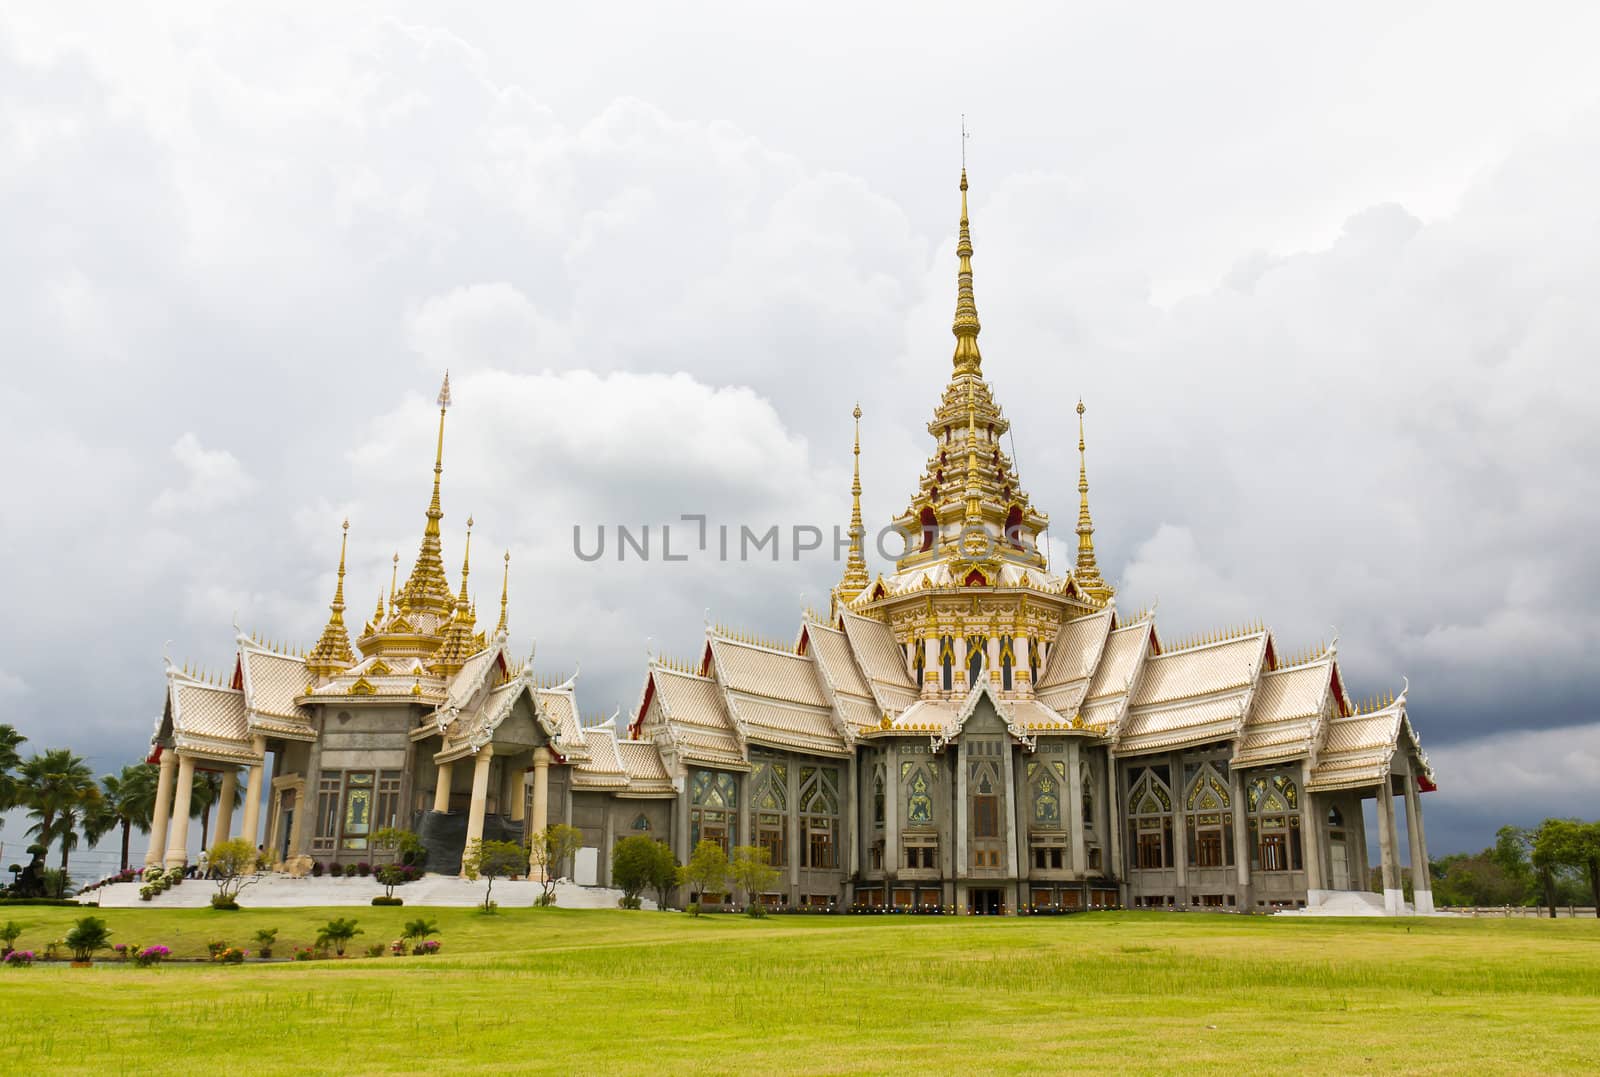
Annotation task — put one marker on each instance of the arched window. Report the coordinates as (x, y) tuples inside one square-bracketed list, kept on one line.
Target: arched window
[(947, 662), (930, 528), (1274, 803), (919, 660), (1033, 660), (1008, 660), (769, 782), (713, 808), (977, 646), (1047, 782), (1150, 820), (1014, 526), (1335, 816), (1208, 816), (819, 816), (641, 823), (877, 797), (1086, 779), (919, 798)]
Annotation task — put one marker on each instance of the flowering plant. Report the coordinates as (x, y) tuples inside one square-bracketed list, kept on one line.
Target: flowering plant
[(429, 946), (303, 953), (152, 955), (231, 955), (19, 958), (398, 947)]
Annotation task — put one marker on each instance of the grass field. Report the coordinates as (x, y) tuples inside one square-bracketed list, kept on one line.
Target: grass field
[(615, 992)]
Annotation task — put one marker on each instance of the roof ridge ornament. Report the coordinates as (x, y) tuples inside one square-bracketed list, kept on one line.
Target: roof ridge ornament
[(855, 577), (1087, 571)]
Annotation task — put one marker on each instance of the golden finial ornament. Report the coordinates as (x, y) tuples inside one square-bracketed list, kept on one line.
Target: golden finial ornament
[(505, 584), (332, 653), (1087, 572), (427, 590), (855, 577), (967, 358)]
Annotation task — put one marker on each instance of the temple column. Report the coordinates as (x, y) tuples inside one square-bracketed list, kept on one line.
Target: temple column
[(1388, 839), (992, 662), (541, 804), (163, 812), (301, 806), (480, 796), (515, 797), (1180, 829), (1010, 817), (1310, 832), (894, 795), (252, 794), (1073, 808), (225, 797), (178, 828), (1114, 867), (1021, 671), (1241, 839), (930, 665), (1421, 873), (961, 808), (958, 674), (441, 788)]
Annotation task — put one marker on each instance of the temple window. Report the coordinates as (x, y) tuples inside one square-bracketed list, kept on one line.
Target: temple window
[(919, 802), (819, 816), (976, 646), (713, 808), (1033, 661), (1274, 810), (351, 805), (769, 784), (640, 823), (1046, 781), (947, 660), (877, 797), (1086, 781), (985, 817), (1008, 660), (922, 853), (1014, 526), (1150, 819), (1208, 817), (930, 528)]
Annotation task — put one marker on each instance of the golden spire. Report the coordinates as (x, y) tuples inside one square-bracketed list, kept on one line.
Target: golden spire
[(394, 573), (973, 510), (967, 358), (1087, 572), (332, 653), (855, 566), (427, 590), (458, 643), (505, 583)]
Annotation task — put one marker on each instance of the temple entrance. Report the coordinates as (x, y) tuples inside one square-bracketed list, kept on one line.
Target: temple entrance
[(1339, 875), (983, 902)]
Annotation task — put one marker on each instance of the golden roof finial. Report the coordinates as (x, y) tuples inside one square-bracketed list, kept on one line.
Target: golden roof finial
[(427, 590), (967, 358), (394, 574), (1087, 572), (973, 512), (458, 642), (855, 577), (505, 584), (332, 652)]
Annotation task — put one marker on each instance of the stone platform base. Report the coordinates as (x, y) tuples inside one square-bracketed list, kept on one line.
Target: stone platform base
[(283, 892)]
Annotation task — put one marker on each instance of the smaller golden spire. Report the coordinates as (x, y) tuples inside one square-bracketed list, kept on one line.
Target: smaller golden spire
[(1087, 572), (855, 577), (394, 574), (505, 584), (967, 358), (332, 653)]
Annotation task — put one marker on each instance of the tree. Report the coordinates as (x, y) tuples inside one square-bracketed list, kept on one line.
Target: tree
[(549, 849), (401, 844), (663, 874), (1563, 847), (10, 741), (206, 792), (233, 864), (129, 799), (634, 866), (56, 788), (420, 929), (751, 872), (337, 933), (87, 935), (491, 859), (705, 873)]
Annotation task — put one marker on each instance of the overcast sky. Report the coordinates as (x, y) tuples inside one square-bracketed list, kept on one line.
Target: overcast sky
[(1327, 280)]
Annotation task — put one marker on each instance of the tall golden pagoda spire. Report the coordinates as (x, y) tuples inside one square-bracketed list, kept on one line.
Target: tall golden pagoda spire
[(332, 653), (1087, 572), (973, 492), (855, 577), (505, 585), (458, 643), (967, 358), (426, 590)]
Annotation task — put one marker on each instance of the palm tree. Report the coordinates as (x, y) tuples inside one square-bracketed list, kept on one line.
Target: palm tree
[(129, 801), (10, 741), (57, 788)]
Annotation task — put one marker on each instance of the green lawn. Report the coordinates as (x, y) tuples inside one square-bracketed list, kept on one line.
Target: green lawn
[(587, 992)]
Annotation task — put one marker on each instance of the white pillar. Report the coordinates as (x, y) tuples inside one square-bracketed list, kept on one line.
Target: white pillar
[(1021, 673), (958, 675), (1241, 839), (1388, 838), (480, 795), (441, 788), (178, 828), (992, 662), (541, 805), (1421, 875), (252, 794), (515, 794), (932, 669), (1310, 832), (230, 789), (163, 812)]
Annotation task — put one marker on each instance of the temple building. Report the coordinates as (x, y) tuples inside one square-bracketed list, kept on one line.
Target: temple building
[(976, 729)]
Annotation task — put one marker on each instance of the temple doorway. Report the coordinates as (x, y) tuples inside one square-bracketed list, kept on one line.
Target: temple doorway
[(983, 902)]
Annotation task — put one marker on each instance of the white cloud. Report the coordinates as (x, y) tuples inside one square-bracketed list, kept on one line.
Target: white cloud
[(12, 687), (215, 477)]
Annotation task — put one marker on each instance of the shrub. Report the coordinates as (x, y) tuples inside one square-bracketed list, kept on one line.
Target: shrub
[(363, 869), (338, 932), (429, 947), (215, 947), (123, 951), (225, 904), (152, 875), (376, 949), (18, 959), (316, 870), (626, 902), (303, 953), (151, 955), (638, 862), (334, 870), (693, 908), (231, 955), (264, 940), (147, 893), (87, 936), (384, 900), (9, 934)]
